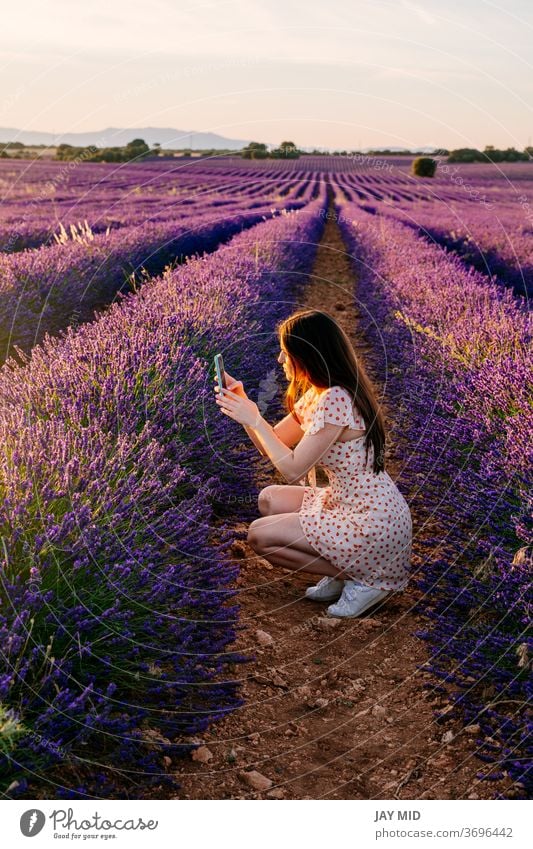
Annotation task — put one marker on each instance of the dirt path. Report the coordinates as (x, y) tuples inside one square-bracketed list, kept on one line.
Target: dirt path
[(334, 709)]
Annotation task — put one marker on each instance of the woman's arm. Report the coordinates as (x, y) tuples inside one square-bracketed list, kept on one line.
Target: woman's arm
[(251, 433), (293, 465), (236, 386), (288, 430)]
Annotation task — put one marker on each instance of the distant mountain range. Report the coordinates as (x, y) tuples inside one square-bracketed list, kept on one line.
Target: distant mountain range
[(168, 138)]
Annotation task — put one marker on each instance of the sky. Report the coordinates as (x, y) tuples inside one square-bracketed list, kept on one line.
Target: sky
[(342, 74)]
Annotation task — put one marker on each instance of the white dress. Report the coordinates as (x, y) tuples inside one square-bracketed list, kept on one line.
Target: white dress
[(360, 520)]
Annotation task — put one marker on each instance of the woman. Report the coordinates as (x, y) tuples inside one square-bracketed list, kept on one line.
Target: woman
[(356, 531)]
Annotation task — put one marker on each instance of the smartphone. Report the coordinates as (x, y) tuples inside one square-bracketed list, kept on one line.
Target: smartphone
[(219, 368)]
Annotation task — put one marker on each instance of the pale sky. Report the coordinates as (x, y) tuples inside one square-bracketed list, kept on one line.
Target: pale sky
[(342, 73)]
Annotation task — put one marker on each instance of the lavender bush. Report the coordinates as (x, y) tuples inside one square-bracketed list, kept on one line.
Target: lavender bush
[(46, 197), (456, 351), (116, 616), (43, 290)]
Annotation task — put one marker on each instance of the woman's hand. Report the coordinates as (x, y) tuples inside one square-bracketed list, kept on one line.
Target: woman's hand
[(235, 386), (240, 409)]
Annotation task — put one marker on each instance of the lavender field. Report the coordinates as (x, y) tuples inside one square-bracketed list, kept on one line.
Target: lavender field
[(119, 606)]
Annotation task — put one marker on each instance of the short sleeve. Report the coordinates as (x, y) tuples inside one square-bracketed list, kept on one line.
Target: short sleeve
[(335, 405)]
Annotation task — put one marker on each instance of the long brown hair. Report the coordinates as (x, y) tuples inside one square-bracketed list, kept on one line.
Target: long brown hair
[(323, 356)]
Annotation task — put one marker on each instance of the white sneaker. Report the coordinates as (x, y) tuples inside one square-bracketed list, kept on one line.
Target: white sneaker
[(355, 599), (327, 589)]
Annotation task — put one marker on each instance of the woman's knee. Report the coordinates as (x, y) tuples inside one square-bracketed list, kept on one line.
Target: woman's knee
[(255, 535), (265, 500)]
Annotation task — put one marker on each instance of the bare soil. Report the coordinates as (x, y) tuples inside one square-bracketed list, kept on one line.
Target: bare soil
[(334, 709)]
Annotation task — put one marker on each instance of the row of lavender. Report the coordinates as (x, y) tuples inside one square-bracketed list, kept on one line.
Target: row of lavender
[(456, 352), (484, 215), (33, 213), (496, 240), (489, 226), (26, 227), (28, 180), (116, 616), (44, 290)]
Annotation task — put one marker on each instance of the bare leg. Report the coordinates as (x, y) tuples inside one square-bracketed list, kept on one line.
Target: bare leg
[(281, 541), (280, 498), (299, 561)]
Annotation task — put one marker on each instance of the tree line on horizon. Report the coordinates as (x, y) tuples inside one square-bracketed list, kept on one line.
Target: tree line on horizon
[(138, 149)]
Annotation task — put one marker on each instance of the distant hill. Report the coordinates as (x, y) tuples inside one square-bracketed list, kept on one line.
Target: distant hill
[(118, 137), (168, 137)]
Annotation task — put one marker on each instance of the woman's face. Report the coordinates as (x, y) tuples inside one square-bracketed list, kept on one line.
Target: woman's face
[(285, 361)]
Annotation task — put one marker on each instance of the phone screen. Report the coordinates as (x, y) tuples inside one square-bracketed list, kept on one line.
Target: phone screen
[(219, 369)]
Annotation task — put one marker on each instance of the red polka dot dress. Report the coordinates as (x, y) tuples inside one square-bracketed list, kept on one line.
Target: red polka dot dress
[(361, 521)]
